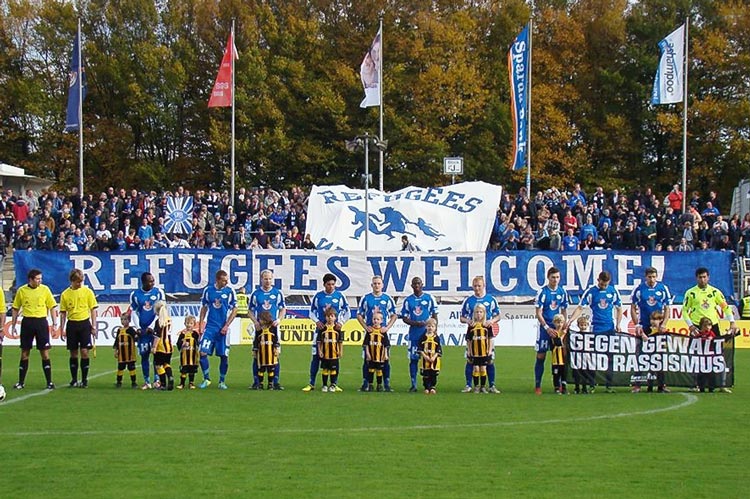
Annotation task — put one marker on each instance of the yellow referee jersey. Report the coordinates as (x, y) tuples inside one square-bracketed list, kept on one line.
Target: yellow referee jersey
[(699, 303), (34, 302), (78, 303)]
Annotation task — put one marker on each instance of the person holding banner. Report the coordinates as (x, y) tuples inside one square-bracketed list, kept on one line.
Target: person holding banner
[(492, 317), (603, 299), (650, 296), (143, 314), (416, 309), (379, 302), (218, 308), (329, 296), (704, 300), (551, 300), (269, 299)]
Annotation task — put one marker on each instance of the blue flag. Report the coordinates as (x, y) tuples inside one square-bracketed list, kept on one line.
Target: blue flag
[(518, 71), (178, 219), (77, 77)]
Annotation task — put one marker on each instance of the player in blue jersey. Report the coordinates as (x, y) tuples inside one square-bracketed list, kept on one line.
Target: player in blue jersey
[(604, 300), (377, 301), (328, 297), (650, 296), (492, 317), (416, 309), (143, 316), (269, 299), (551, 300), (218, 309)]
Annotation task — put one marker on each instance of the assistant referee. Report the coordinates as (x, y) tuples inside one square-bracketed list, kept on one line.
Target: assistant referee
[(35, 300), (78, 308)]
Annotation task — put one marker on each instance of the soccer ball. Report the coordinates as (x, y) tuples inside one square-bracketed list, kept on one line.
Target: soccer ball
[(2, 393)]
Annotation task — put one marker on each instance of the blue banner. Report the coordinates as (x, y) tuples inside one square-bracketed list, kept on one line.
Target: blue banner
[(519, 57), (77, 77), (511, 276)]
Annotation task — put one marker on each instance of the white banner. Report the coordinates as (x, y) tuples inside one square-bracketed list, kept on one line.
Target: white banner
[(668, 84), (458, 217)]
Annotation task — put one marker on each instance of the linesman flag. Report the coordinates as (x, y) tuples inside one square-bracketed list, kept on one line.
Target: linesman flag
[(77, 74), (518, 71), (371, 72), (221, 95), (669, 81)]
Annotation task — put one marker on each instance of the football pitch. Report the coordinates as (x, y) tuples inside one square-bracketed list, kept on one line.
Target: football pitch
[(107, 442)]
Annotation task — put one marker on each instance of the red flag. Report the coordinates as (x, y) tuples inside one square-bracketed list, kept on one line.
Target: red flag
[(221, 95)]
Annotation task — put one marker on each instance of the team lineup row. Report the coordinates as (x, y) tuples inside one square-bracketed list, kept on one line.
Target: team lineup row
[(147, 329)]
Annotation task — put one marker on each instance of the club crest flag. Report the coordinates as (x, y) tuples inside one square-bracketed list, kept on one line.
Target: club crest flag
[(77, 75), (371, 71), (179, 215), (518, 71), (457, 217), (221, 95), (669, 81)]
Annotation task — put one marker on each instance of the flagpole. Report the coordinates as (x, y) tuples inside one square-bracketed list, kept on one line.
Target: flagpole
[(232, 160), (528, 116), (684, 119), (79, 77), (380, 90)]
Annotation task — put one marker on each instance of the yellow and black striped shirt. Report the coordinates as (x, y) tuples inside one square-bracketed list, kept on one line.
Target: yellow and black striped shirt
[(377, 345), (558, 352), (329, 344), (430, 344), (187, 344), (125, 344), (266, 346), (163, 338), (478, 340)]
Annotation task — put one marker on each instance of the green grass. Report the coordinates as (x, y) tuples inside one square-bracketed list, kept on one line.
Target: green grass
[(103, 442)]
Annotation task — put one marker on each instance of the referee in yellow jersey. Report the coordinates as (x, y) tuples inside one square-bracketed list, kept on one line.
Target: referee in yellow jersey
[(3, 311), (704, 300), (35, 301), (77, 325)]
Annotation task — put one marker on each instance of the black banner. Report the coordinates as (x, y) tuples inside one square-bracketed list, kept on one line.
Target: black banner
[(618, 359)]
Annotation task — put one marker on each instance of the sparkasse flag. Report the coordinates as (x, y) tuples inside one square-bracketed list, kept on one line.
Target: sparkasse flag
[(221, 95)]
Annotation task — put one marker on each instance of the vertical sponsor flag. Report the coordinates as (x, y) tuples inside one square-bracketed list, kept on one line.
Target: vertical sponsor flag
[(179, 215), (371, 72), (221, 95), (518, 71), (77, 76), (668, 84)]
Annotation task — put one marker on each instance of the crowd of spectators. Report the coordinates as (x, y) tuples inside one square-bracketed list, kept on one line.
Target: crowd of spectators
[(641, 221), (118, 220), (258, 218)]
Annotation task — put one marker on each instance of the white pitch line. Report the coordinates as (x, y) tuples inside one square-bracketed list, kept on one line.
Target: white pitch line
[(15, 400), (689, 399)]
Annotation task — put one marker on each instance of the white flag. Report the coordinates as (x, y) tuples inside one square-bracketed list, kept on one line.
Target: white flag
[(371, 72), (668, 84)]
